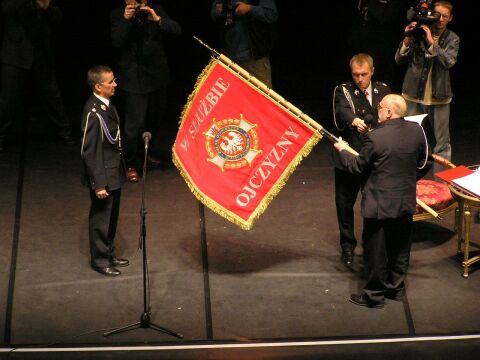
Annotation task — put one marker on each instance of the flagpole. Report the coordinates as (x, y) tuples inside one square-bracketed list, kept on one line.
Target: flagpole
[(274, 96), (290, 107)]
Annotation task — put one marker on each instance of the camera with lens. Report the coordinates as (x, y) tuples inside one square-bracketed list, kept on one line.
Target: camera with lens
[(226, 9), (138, 5), (139, 16)]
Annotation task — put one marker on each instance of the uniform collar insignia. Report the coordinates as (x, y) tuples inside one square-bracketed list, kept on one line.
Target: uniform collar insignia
[(375, 90), (356, 92), (103, 107)]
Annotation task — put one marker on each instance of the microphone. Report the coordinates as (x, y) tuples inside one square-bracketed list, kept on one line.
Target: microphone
[(146, 136), (368, 119)]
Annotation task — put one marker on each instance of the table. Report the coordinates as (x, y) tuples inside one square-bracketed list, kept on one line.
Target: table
[(463, 219)]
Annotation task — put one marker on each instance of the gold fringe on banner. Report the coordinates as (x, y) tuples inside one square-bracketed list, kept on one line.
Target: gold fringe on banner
[(280, 183)]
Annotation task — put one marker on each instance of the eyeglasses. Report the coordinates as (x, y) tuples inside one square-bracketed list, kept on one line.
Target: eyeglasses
[(380, 106), (444, 16), (111, 82)]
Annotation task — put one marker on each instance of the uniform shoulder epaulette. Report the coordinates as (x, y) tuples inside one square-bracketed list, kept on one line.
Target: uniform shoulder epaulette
[(381, 83), (99, 105)]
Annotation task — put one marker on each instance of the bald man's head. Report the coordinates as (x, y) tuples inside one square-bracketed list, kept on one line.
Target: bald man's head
[(392, 106)]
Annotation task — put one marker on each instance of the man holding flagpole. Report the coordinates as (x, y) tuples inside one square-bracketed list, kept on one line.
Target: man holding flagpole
[(389, 159)]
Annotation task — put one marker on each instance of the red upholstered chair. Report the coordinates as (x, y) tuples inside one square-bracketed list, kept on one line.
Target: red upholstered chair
[(434, 194)]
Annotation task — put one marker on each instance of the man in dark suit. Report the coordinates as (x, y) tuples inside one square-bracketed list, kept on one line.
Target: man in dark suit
[(355, 112), (103, 170), (26, 58), (390, 157), (138, 31)]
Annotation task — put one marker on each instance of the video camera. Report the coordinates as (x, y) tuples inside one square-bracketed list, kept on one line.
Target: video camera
[(424, 13)]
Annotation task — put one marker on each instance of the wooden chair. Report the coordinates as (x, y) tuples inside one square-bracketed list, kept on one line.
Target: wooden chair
[(435, 194)]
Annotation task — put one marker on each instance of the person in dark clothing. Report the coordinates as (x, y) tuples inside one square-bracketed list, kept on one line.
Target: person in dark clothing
[(103, 169), (355, 113), (249, 33), (138, 32), (26, 58), (390, 159)]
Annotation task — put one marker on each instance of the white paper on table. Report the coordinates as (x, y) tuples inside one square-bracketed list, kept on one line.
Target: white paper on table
[(470, 182)]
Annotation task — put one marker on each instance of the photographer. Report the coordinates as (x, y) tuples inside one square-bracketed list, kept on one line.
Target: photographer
[(430, 53), (249, 33), (138, 31)]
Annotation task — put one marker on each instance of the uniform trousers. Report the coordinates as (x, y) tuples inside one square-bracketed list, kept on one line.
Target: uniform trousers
[(102, 226), (347, 187)]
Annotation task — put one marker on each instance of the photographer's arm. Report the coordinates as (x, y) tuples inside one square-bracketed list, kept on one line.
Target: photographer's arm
[(53, 12), (447, 56), (119, 27), (165, 23), (266, 11), (402, 55), (129, 12)]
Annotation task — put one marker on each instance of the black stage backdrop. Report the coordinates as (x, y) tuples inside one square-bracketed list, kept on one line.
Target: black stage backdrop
[(310, 56)]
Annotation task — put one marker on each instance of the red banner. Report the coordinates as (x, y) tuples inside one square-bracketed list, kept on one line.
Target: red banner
[(236, 147)]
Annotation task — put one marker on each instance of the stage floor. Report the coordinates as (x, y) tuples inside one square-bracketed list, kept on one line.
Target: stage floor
[(280, 283)]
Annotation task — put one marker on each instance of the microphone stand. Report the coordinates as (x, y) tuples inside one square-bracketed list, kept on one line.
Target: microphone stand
[(146, 315)]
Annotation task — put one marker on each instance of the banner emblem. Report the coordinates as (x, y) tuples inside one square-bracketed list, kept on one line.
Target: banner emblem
[(232, 143), (238, 143)]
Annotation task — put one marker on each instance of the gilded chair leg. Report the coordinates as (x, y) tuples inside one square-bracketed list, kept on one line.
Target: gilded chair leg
[(458, 229), (467, 219)]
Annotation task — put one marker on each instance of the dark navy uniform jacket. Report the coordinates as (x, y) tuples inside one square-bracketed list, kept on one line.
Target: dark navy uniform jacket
[(102, 160), (349, 103)]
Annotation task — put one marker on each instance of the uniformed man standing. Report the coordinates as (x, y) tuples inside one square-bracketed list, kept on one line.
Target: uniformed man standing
[(103, 169), (355, 113)]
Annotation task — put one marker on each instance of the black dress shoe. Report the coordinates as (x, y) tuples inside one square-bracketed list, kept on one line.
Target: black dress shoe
[(362, 301), (120, 262), (108, 270), (347, 257)]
